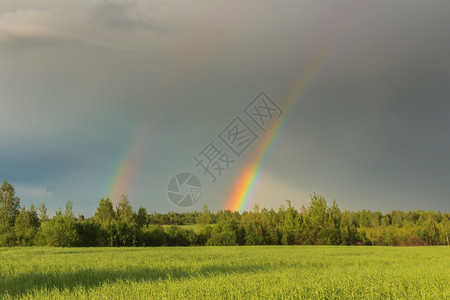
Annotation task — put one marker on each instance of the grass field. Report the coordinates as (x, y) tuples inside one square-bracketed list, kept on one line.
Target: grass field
[(226, 272)]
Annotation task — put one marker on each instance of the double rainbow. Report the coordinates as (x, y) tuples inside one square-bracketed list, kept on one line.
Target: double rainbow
[(247, 181)]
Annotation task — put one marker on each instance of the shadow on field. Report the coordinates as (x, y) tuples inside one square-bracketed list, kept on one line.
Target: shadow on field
[(91, 278)]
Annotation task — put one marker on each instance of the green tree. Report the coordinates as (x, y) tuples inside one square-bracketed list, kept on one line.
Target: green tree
[(205, 217), (176, 236), (317, 218), (68, 212), (330, 233), (154, 235), (26, 226), (105, 215), (89, 233), (221, 236), (429, 232), (43, 212), (287, 223), (124, 210), (141, 217), (60, 231), (127, 234), (9, 204), (444, 227)]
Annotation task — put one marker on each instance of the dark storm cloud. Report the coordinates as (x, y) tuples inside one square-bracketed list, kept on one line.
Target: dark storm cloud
[(374, 124), (371, 128)]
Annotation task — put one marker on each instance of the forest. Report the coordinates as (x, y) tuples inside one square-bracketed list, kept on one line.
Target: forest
[(317, 223)]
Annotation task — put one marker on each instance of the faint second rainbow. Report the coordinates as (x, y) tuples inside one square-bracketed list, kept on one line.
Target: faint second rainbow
[(127, 164)]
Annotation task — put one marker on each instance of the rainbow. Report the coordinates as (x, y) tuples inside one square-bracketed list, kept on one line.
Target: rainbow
[(128, 162), (247, 181)]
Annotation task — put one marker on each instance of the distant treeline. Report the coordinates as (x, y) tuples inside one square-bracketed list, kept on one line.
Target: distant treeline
[(315, 224)]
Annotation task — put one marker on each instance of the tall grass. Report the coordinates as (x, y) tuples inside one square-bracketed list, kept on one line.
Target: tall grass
[(226, 272)]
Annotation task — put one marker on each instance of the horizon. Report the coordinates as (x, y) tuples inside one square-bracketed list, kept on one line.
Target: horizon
[(256, 205)]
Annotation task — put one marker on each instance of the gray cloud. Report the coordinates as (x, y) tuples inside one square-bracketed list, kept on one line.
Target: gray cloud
[(25, 29), (125, 15)]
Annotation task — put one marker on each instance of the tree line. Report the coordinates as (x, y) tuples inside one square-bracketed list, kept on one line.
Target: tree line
[(315, 224)]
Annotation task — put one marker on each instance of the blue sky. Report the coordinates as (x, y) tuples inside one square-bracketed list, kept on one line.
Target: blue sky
[(371, 130)]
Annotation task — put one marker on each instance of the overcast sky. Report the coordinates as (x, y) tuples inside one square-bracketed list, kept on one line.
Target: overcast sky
[(81, 81)]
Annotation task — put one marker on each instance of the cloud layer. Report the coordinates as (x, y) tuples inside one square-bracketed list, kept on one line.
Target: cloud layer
[(26, 28)]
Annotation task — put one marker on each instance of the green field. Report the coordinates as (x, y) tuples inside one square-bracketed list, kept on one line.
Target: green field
[(280, 272)]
